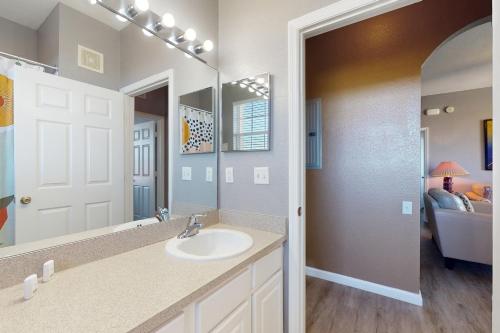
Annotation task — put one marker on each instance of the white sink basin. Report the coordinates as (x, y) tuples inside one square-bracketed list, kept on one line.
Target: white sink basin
[(210, 244)]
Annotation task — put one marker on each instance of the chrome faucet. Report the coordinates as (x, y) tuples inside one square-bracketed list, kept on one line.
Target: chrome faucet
[(163, 214), (193, 227)]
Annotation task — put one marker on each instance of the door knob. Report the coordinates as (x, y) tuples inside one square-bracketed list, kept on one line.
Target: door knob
[(25, 200)]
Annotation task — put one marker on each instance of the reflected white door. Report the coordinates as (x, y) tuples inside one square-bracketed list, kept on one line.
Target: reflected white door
[(68, 154), (144, 170)]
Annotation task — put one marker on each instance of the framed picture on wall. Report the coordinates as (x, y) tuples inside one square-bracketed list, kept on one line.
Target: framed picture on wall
[(488, 144)]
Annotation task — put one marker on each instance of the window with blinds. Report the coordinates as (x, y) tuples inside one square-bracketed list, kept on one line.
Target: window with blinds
[(251, 124)]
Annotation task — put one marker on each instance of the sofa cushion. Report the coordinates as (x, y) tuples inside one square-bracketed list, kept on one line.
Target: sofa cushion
[(466, 201), (447, 200)]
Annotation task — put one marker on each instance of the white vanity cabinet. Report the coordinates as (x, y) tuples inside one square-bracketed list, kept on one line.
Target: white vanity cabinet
[(251, 302)]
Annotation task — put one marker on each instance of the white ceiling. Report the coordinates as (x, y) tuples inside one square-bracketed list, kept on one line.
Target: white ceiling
[(462, 63), (32, 13)]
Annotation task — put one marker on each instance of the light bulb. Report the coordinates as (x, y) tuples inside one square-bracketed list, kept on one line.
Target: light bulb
[(208, 45), (168, 20), (190, 34), (250, 89), (260, 80), (234, 82), (141, 5), (146, 33)]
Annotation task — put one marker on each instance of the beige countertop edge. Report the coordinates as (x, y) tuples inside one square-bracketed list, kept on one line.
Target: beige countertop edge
[(163, 317)]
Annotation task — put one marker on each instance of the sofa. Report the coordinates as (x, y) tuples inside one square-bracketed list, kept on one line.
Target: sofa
[(457, 232)]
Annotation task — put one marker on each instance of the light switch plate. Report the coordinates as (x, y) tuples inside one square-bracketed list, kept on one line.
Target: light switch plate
[(229, 175), (186, 173), (209, 174), (261, 175), (407, 208)]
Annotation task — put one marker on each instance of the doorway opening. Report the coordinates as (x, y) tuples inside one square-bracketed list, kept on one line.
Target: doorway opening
[(363, 205), (150, 145)]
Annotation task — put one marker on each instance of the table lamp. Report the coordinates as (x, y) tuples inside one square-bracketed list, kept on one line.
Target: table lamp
[(448, 170)]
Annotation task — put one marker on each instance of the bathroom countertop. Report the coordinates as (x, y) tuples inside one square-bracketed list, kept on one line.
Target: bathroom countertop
[(134, 291)]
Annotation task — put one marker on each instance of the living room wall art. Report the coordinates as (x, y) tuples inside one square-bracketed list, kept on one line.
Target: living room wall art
[(488, 144)]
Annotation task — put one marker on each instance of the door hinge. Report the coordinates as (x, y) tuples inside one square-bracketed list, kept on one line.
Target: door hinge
[(299, 211)]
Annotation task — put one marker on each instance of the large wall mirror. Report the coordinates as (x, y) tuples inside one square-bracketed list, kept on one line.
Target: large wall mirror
[(246, 114), (91, 102)]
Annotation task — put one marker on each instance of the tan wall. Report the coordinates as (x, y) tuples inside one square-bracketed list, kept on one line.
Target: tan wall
[(368, 76), (459, 136)]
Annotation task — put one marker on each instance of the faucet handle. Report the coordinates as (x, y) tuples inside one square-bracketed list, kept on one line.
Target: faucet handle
[(194, 218)]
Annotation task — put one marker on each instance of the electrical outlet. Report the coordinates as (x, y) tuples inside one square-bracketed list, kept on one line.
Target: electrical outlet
[(229, 175), (209, 176), (261, 175), (186, 173), (407, 208)]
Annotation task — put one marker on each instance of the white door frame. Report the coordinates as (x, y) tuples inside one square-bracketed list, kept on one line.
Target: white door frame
[(138, 88), (159, 154)]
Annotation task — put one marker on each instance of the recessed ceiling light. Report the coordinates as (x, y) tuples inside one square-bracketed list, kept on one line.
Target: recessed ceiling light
[(141, 5), (168, 20)]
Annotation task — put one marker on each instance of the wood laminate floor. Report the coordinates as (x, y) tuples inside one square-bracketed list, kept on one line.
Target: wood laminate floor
[(457, 301)]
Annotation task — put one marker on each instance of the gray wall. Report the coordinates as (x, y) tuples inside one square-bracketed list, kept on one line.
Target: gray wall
[(48, 39), (189, 75), (77, 28), (459, 136), (17, 39), (253, 40)]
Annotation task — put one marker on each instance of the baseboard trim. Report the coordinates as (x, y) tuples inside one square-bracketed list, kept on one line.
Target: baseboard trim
[(401, 295)]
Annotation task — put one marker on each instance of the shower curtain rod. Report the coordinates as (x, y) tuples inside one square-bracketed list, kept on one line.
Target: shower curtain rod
[(11, 56)]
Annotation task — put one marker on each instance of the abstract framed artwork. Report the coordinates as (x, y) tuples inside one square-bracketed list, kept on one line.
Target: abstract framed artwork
[(488, 144)]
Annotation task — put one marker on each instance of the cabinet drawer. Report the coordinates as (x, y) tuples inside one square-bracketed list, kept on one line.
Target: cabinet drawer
[(174, 326), (239, 321), (265, 267), (217, 306)]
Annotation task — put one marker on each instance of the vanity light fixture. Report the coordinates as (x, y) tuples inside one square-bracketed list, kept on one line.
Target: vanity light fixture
[(146, 32), (208, 45), (168, 20), (132, 12), (141, 5), (121, 18)]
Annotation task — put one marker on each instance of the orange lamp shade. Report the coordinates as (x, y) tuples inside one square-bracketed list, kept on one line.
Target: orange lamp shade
[(448, 170)]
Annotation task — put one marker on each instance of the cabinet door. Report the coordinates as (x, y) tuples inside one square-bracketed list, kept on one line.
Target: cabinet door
[(267, 306), (240, 321)]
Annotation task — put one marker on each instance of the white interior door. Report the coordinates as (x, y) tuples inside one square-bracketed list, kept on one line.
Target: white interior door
[(144, 170), (68, 154)]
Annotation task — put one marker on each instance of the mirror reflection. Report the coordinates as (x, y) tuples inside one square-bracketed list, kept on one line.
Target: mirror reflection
[(246, 114), (89, 121)]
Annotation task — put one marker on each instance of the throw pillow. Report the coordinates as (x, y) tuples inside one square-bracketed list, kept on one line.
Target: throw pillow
[(466, 201)]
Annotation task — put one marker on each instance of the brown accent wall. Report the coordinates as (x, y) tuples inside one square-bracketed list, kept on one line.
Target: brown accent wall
[(368, 77), (156, 102)]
